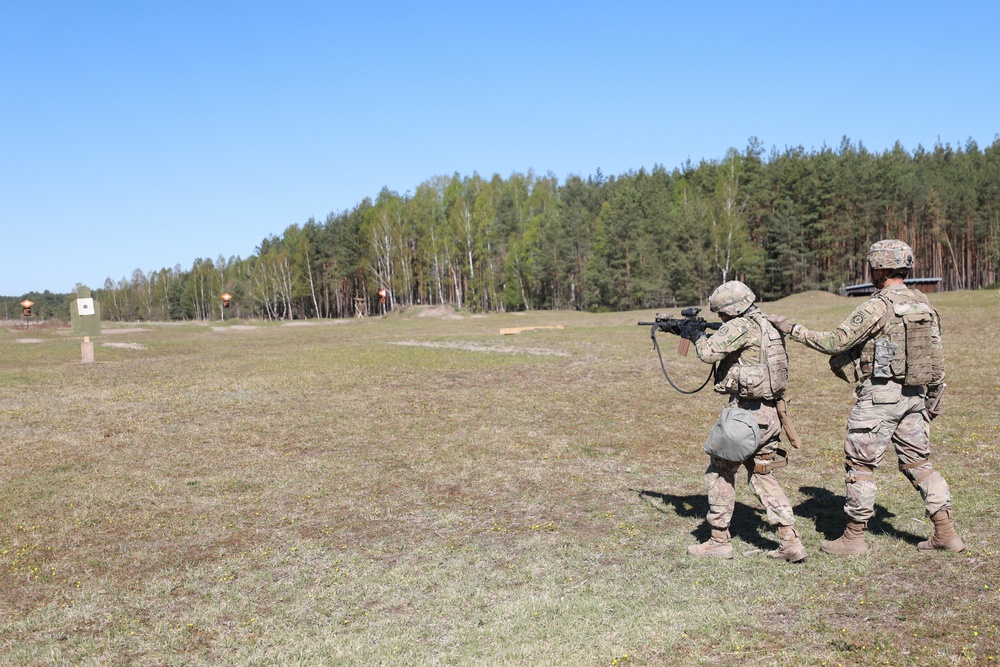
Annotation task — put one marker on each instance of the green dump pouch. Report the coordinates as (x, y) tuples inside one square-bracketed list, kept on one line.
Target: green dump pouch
[(735, 437)]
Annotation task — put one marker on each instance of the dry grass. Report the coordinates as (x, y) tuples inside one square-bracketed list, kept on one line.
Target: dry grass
[(420, 490)]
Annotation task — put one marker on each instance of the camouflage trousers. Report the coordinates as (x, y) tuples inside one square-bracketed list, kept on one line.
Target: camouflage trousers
[(885, 412), (720, 477)]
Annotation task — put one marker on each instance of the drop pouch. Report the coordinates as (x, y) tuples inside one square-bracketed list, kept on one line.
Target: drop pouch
[(735, 437), (845, 366)]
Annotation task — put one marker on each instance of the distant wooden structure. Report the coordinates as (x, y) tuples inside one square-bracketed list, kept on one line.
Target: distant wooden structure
[(925, 285)]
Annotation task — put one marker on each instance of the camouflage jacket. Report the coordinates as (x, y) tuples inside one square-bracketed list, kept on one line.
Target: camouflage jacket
[(868, 322), (737, 347)]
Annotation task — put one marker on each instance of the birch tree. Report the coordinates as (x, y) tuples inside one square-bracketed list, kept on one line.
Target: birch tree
[(730, 241)]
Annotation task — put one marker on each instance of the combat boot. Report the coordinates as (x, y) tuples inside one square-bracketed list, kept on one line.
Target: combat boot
[(718, 545), (945, 538), (791, 548), (851, 542)]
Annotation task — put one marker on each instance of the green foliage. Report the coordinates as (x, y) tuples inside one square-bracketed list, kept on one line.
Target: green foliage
[(788, 222), (47, 306)]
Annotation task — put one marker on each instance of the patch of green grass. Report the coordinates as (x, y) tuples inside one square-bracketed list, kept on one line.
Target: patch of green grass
[(423, 490)]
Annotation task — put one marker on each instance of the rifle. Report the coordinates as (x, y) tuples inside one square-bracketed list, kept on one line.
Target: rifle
[(672, 325), (689, 319)]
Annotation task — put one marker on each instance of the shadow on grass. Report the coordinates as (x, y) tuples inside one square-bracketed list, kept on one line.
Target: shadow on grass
[(826, 509), (823, 507), (745, 525)]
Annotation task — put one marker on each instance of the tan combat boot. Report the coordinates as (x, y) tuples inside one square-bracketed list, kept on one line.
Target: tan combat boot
[(718, 545), (851, 542), (791, 548), (945, 538)]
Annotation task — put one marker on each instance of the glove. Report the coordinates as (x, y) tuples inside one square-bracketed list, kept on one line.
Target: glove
[(781, 323), (692, 331)]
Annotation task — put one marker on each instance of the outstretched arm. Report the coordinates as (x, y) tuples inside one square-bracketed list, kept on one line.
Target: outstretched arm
[(855, 329)]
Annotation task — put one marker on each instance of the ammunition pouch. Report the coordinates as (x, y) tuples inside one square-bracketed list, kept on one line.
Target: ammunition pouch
[(885, 351), (750, 379)]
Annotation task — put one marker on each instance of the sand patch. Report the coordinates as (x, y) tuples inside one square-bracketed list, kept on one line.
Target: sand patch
[(28, 340), (235, 327), (481, 347)]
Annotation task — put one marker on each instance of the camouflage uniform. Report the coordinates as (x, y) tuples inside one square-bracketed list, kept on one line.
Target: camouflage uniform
[(887, 410), (739, 341)]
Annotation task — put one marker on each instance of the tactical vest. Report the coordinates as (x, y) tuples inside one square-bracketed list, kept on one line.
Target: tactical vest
[(768, 377), (902, 349)]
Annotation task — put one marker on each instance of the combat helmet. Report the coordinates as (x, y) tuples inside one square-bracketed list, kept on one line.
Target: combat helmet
[(732, 298), (890, 254)]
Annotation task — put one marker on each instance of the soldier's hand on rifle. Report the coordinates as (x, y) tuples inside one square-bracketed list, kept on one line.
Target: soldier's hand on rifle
[(692, 331), (781, 323)]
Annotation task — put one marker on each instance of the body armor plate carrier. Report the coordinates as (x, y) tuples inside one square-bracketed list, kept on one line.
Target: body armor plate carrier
[(902, 350), (768, 378)]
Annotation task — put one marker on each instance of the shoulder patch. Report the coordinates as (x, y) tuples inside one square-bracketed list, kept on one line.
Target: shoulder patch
[(733, 330), (858, 319)]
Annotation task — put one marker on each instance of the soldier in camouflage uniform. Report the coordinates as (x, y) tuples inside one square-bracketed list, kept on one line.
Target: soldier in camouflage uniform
[(753, 373), (891, 346)]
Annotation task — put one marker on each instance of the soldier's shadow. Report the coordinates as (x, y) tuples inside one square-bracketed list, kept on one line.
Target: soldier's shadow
[(746, 523), (826, 509)]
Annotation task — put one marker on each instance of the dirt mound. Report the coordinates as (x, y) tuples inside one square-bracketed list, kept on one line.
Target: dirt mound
[(813, 297)]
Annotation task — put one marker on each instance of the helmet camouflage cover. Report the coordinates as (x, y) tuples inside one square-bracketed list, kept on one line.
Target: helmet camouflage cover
[(731, 298), (890, 254)]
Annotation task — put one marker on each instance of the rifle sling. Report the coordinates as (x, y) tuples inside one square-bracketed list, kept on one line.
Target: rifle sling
[(656, 345)]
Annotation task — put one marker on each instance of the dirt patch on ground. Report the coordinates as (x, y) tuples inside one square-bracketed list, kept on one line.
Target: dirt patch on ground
[(444, 310), (235, 327), (28, 340), (481, 347), (436, 311), (125, 346)]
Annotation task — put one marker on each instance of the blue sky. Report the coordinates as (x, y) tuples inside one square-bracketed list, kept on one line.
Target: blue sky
[(140, 135)]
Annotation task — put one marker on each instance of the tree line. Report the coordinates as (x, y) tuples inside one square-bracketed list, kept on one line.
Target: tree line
[(784, 222)]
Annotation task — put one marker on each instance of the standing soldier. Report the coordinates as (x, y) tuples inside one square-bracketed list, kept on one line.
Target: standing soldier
[(891, 346), (753, 373)]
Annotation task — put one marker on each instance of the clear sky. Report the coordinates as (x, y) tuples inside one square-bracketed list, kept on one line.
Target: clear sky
[(142, 135)]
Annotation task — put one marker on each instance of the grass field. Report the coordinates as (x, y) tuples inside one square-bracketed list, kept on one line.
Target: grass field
[(418, 489)]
